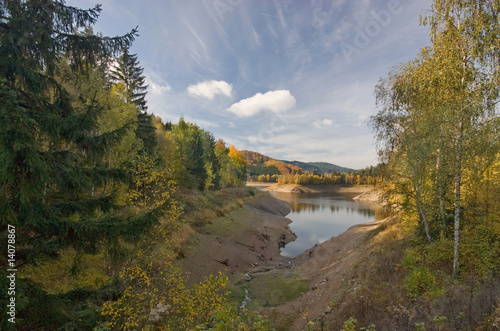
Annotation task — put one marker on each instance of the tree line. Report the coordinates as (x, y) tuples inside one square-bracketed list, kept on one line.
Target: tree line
[(367, 176)]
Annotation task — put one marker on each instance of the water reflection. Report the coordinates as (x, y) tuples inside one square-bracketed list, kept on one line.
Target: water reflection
[(319, 217)]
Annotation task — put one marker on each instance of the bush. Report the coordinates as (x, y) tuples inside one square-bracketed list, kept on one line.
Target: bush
[(421, 281)]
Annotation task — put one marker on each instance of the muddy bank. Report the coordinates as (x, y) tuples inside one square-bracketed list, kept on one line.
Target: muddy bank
[(241, 240)]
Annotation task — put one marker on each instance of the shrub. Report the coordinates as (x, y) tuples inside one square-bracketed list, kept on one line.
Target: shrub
[(421, 281)]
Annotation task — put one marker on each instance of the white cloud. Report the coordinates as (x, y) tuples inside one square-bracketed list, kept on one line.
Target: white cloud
[(276, 101), (158, 89), (324, 123), (209, 89)]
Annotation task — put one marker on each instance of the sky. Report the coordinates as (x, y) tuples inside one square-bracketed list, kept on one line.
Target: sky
[(291, 79)]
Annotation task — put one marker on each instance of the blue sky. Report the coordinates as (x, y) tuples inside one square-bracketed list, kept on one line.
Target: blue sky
[(291, 79)]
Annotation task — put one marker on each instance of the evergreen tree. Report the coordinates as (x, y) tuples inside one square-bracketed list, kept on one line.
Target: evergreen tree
[(51, 191), (196, 164), (191, 155), (129, 72), (212, 164)]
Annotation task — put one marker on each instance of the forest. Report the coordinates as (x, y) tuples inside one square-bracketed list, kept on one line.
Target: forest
[(88, 179), (93, 188)]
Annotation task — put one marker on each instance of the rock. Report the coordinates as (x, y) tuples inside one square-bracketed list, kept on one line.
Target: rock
[(224, 262)]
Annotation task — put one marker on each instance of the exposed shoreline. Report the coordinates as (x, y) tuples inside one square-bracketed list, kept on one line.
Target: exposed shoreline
[(366, 193), (247, 242), (327, 265)]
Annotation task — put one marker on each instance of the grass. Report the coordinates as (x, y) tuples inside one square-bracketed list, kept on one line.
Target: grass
[(236, 294), (272, 289)]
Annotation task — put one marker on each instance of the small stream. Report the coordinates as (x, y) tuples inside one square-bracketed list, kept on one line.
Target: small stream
[(247, 298)]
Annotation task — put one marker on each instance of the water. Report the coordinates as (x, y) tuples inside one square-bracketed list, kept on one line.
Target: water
[(320, 216)]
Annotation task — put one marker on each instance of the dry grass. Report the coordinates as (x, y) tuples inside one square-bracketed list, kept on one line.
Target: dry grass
[(200, 208), (376, 292)]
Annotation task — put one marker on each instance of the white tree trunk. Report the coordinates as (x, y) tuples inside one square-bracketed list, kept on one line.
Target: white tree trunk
[(420, 208), (458, 184)]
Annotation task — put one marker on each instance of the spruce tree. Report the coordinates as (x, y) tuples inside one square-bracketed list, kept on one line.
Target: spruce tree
[(50, 190), (129, 72), (212, 164), (196, 164)]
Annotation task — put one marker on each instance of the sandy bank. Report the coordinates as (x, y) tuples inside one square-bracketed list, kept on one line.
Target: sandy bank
[(296, 188), (257, 184), (290, 188), (372, 196)]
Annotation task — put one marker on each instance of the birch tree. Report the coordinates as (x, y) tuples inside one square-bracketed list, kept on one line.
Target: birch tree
[(438, 114), (465, 35)]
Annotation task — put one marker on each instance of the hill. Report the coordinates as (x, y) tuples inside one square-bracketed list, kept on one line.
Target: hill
[(320, 167), (259, 164)]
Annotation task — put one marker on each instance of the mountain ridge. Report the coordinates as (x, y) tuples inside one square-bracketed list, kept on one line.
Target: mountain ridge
[(320, 167), (256, 160)]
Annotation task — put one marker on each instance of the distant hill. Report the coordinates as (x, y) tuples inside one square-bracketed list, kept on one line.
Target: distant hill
[(263, 164), (259, 164), (320, 167)]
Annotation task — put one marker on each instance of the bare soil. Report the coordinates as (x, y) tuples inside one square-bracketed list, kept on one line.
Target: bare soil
[(243, 240), (296, 188), (329, 267)]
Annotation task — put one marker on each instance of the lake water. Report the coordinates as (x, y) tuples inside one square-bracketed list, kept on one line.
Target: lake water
[(320, 216)]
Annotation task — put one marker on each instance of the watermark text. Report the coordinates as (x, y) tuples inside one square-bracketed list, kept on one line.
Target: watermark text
[(11, 273)]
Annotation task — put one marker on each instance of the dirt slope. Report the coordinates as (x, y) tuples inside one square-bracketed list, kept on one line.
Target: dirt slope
[(242, 240), (329, 267)]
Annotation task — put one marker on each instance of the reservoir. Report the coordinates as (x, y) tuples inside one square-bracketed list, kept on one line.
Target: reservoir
[(318, 217)]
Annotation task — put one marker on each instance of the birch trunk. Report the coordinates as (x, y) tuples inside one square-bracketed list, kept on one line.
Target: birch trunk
[(420, 208), (439, 184), (458, 184)]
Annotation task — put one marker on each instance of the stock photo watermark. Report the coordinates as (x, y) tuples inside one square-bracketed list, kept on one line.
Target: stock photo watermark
[(266, 134), (363, 36), (11, 273)]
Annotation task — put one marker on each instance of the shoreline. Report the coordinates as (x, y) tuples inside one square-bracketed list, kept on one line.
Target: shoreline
[(365, 193)]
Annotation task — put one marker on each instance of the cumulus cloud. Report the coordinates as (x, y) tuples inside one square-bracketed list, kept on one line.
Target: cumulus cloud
[(158, 89), (276, 101), (209, 89), (321, 124)]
